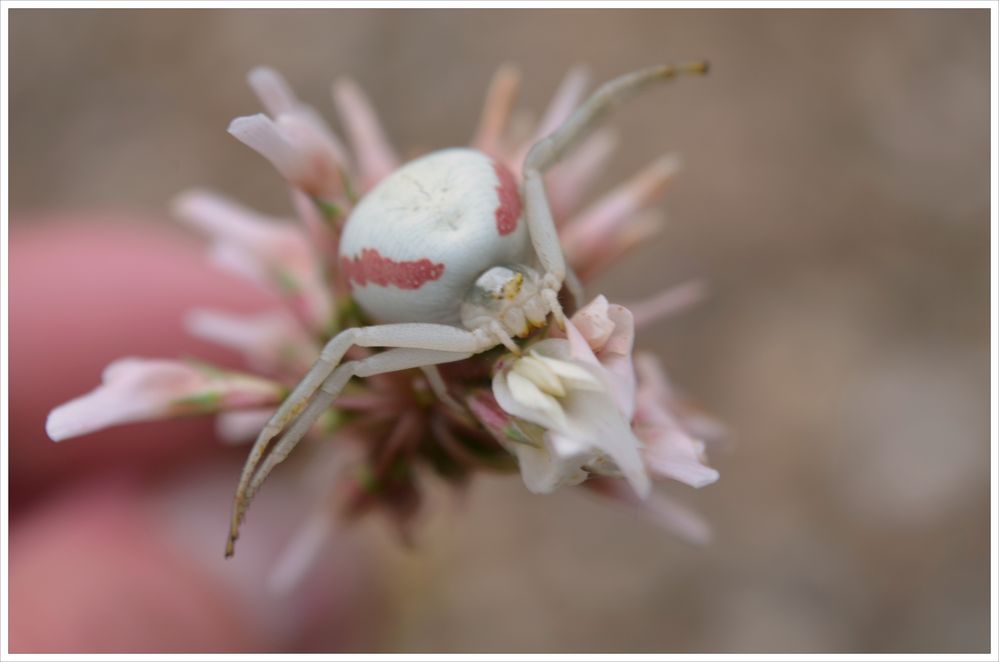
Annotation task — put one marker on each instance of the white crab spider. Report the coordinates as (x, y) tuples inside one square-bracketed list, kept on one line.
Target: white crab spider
[(443, 253)]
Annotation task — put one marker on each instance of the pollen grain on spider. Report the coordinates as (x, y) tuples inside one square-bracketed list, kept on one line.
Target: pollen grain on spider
[(405, 351)]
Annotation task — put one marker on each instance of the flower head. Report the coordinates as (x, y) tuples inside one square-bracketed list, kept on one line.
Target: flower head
[(572, 406)]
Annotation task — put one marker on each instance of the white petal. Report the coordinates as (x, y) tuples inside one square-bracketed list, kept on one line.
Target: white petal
[(596, 419), (511, 405), (574, 375), (534, 369), (545, 470), (529, 395)]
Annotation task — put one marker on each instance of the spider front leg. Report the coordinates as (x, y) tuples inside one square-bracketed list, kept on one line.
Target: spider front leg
[(550, 150), (415, 345)]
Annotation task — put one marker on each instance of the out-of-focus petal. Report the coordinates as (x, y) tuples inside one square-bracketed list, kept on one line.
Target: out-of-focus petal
[(241, 426), (666, 512), (268, 250), (672, 453), (272, 90), (261, 134), (669, 302), (135, 389), (496, 110), (300, 553), (669, 449), (570, 181), (376, 158), (271, 342), (322, 158), (599, 228), (565, 100)]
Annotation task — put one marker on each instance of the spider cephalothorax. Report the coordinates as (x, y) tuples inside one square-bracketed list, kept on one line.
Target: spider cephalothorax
[(506, 299)]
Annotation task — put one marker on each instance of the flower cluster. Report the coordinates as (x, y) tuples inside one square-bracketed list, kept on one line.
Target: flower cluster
[(574, 406)]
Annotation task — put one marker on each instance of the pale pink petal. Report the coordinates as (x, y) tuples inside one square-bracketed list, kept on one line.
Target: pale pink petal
[(597, 228), (678, 519), (565, 100), (135, 389), (616, 369), (609, 332), (672, 453), (261, 134), (269, 250), (301, 553), (579, 348), (375, 157), (496, 111), (642, 227), (241, 426), (615, 355), (669, 302), (668, 513), (323, 158), (273, 90), (669, 449), (323, 172), (280, 101), (569, 182), (323, 226), (593, 323), (271, 342), (655, 384)]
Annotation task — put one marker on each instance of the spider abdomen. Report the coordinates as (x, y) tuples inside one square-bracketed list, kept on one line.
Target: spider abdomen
[(414, 245)]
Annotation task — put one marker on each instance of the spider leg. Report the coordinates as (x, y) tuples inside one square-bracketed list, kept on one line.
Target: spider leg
[(548, 151), (429, 343)]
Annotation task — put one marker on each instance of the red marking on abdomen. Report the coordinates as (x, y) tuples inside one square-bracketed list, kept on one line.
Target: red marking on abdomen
[(370, 266), (508, 212)]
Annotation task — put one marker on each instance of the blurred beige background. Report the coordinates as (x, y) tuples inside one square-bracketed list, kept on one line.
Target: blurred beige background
[(835, 195)]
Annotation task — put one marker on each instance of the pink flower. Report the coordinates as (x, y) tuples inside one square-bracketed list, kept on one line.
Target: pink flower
[(585, 412), (146, 389)]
